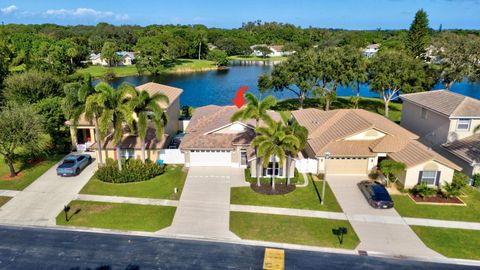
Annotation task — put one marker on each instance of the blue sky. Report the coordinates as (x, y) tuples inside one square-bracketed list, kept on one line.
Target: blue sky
[(348, 14)]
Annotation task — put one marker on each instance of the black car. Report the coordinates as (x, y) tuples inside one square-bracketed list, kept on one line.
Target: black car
[(376, 194)]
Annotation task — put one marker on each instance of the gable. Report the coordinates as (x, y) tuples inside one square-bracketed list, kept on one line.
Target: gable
[(233, 128), (367, 135)]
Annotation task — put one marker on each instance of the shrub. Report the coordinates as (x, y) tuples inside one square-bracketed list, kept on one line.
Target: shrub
[(476, 180), (460, 180), (450, 190), (373, 175), (133, 170), (423, 190), (392, 169)]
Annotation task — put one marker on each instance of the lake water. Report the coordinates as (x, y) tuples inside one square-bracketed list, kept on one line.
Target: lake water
[(219, 87)]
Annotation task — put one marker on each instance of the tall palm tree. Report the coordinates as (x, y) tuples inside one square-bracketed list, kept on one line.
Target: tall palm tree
[(115, 110), (273, 141), (301, 133), (257, 110), (143, 106)]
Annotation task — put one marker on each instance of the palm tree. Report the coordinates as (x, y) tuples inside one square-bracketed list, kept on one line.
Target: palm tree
[(301, 133), (143, 106), (257, 110), (273, 141), (115, 110)]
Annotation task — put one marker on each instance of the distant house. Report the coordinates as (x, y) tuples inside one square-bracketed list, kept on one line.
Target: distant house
[(371, 50), (276, 50), (446, 121), (124, 59)]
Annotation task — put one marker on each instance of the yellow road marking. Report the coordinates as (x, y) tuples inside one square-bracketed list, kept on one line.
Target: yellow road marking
[(274, 259)]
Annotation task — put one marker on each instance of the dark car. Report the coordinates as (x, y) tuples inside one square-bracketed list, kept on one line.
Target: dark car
[(376, 194), (73, 165)]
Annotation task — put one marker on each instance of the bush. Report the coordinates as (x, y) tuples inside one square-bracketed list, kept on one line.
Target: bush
[(423, 190), (476, 180), (450, 190), (373, 175), (460, 180), (133, 170)]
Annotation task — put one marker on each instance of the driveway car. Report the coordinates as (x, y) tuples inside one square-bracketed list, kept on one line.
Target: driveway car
[(73, 165), (376, 194)]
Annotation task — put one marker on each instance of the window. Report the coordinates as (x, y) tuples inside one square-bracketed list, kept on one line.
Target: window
[(429, 177), (269, 171), (127, 153), (424, 113), (243, 157), (463, 124)]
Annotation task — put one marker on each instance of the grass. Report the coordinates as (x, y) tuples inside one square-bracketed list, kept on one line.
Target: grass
[(4, 200), (28, 173), (181, 65), (471, 212), (370, 104), (301, 198), (256, 58), (454, 243), (290, 229), (119, 216), (160, 187)]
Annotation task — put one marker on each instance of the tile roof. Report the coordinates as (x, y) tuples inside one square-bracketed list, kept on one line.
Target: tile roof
[(467, 148), (152, 88), (415, 153), (446, 102), (133, 141)]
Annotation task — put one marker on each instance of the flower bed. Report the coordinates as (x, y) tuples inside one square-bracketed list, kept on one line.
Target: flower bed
[(266, 189), (437, 199)]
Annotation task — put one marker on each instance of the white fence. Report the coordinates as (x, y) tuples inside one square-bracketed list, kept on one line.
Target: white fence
[(306, 165), (172, 156)]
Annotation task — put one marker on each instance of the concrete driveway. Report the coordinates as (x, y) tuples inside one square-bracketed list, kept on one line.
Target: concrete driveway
[(41, 201), (385, 231), (204, 207)]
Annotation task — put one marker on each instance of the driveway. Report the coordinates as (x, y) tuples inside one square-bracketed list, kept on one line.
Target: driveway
[(204, 207), (385, 231), (41, 201)]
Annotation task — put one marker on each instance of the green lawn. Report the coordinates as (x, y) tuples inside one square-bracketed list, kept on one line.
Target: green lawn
[(160, 187), (290, 229), (4, 200), (370, 104), (181, 65), (454, 243), (119, 216), (301, 198), (407, 208), (27, 173), (256, 58)]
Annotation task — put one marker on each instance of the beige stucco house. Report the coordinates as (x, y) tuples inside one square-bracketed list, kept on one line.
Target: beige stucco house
[(212, 140), (446, 121), (358, 140), (123, 59), (83, 134)]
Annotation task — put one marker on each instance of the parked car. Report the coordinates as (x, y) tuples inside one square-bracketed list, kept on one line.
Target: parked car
[(376, 194), (73, 165)]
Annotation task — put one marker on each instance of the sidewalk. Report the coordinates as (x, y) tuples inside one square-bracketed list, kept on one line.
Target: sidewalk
[(118, 199)]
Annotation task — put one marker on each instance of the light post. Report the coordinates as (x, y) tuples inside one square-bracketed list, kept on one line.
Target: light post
[(327, 156)]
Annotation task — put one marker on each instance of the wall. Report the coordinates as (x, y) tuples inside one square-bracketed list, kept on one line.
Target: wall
[(172, 156), (455, 134), (253, 169), (173, 113), (410, 178)]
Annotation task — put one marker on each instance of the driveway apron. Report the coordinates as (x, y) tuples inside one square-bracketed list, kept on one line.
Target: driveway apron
[(204, 207), (42, 201), (393, 237)]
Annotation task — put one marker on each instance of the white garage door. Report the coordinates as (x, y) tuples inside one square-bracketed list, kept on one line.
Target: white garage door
[(347, 166), (210, 158)]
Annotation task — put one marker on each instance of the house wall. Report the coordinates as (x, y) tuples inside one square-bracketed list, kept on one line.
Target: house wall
[(99, 62), (410, 177), (455, 134), (173, 113), (371, 163), (253, 168), (149, 154)]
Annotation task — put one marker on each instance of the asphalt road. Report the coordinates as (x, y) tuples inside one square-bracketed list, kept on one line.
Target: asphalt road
[(27, 248)]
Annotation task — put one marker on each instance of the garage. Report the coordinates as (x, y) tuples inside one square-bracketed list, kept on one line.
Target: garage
[(347, 166), (210, 158)]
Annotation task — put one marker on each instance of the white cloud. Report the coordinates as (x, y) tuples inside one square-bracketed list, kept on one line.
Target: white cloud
[(9, 9), (85, 13)]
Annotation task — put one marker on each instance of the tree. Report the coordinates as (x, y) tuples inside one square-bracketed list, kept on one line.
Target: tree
[(418, 35), (156, 52), (31, 86), (234, 46), (72, 52), (114, 109), (200, 39), (219, 57), (392, 72), (258, 111), (263, 50), (4, 58), (54, 124), (392, 169), (20, 127), (301, 133), (109, 52), (272, 142), (148, 107)]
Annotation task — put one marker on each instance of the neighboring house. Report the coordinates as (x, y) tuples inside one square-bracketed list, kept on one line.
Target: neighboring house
[(83, 134), (124, 59), (446, 121), (212, 140), (358, 140), (277, 50), (371, 50)]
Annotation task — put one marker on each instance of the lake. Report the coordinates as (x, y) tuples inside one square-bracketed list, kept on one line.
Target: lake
[(219, 86)]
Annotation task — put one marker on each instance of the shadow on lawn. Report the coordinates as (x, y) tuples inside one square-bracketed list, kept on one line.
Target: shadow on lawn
[(316, 191)]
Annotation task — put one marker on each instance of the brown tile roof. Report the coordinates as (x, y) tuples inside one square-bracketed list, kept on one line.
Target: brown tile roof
[(468, 148), (389, 144), (415, 153), (446, 102), (209, 118), (133, 141), (349, 149), (171, 92)]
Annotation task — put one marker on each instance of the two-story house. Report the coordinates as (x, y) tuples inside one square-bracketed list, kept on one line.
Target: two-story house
[(447, 122)]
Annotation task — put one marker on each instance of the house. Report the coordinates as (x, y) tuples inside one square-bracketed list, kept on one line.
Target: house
[(212, 140), (358, 140), (446, 121), (276, 50), (124, 59), (371, 50), (83, 134)]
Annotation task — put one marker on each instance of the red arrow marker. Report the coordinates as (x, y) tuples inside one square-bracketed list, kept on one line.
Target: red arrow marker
[(239, 99)]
